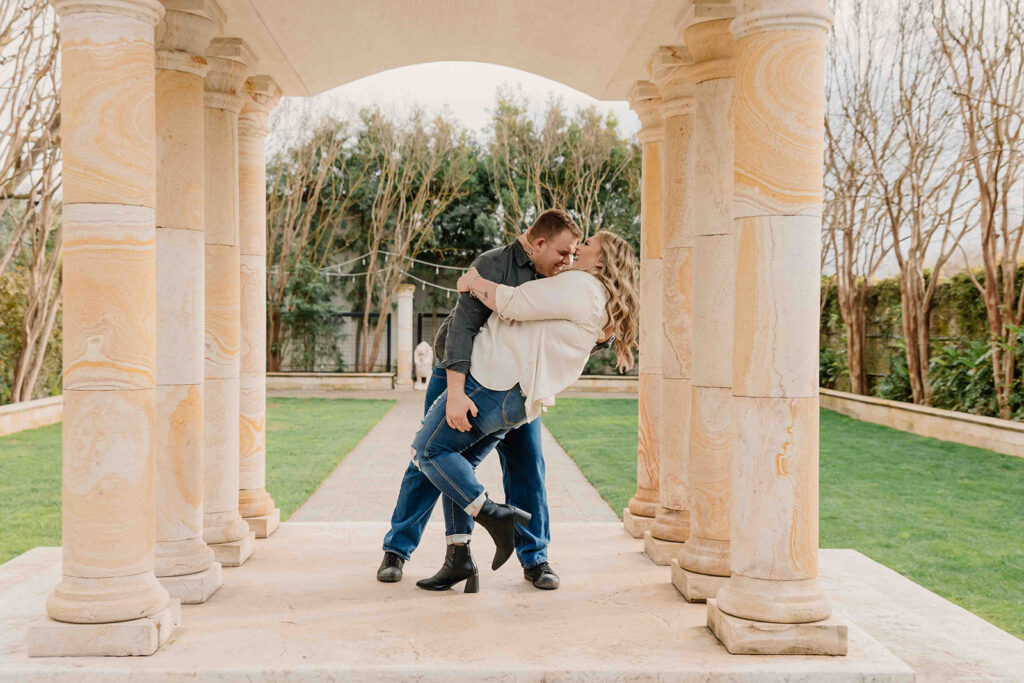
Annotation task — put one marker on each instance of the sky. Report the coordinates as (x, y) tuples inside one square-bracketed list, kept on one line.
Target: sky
[(466, 89)]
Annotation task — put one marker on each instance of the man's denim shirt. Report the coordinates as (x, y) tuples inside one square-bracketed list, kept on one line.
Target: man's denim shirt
[(453, 345)]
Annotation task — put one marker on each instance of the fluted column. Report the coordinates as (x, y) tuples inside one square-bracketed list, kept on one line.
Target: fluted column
[(405, 297), (703, 563), (107, 134), (184, 563), (224, 529), (778, 106), (671, 72), (639, 516), (254, 503)]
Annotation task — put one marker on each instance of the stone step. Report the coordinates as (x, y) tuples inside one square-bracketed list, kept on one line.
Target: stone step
[(307, 604)]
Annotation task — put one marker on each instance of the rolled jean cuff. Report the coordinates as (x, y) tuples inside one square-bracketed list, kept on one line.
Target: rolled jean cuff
[(458, 539), (475, 506)]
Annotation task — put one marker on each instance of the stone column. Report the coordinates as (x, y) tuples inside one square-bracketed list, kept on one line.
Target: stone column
[(107, 133), (703, 563), (223, 528), (405, 297), (254, 503), (671, 526), (639, 516), (772, 603), (184, 563)]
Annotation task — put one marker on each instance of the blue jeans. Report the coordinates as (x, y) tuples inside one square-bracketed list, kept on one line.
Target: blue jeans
[(444, 454), (522, 464)]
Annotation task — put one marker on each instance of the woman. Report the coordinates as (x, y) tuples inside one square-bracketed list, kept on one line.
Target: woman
[(535, 347)]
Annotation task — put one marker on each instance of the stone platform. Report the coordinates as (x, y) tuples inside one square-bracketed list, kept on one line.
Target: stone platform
[(307, 605)]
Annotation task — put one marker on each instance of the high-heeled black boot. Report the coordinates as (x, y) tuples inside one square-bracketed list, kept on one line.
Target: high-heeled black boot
[(500, 521), (458, 566)]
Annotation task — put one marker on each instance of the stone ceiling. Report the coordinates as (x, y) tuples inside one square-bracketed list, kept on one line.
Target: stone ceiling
[(599, 47)]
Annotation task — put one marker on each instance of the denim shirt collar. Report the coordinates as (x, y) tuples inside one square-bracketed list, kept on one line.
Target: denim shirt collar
[(521, 256)]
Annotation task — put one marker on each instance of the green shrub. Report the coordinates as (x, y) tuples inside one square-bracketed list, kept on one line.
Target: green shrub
[(831, 366), (960, 372), (896, 385)]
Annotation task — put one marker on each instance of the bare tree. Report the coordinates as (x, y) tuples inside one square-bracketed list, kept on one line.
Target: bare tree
[(855, 236), (313, 182), (554, 160), (523, 156), (917, 157), (41, 254), (30, 178), (419, 167), (29, 105), (982, 43)]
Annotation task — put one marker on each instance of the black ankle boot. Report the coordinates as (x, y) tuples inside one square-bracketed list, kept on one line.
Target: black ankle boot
[(500, 521), (458, 566)]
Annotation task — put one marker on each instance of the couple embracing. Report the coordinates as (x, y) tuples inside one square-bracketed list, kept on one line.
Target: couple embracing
[(528, 316)]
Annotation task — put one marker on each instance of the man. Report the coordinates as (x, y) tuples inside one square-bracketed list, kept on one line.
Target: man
[(543, 251)]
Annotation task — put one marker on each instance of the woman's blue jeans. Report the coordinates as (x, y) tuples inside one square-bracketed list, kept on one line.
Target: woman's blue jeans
[(449, 457), (523, 474)]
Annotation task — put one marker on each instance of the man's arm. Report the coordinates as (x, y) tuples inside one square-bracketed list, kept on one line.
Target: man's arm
[(469, 316)]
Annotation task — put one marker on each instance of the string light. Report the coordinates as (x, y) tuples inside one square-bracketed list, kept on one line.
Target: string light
[(331, 271)]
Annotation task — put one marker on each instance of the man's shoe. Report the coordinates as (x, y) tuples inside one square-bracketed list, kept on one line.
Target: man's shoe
[(390, 569), (542, 576), (458, 566)]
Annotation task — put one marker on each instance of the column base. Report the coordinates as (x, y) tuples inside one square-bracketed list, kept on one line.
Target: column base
[(798, 601), (181, 558), (636, 526), (744, 637), (671, 525), (403, 383), (661, 552), (138, 637), (264, 525), (695, 587), (254, 503), (223, 527), (706, 556), (644, 503), (234, 554), (195, 589)]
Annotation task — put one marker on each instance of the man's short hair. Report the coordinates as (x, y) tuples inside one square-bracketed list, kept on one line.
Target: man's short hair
[(551, 223)]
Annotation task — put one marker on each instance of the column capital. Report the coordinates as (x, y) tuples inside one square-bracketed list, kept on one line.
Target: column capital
[(645, 100), (150, 11), (758, 16), (406, 290), (230, 61), (671, 69), (183, 37), (261, 95), (713, 48), (698, 11)]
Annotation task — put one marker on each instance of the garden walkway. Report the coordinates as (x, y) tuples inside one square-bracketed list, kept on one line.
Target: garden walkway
[(364, 486), (307, 605)]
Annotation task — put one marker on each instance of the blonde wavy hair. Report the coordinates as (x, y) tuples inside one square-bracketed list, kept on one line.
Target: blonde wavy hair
[(619, 278)]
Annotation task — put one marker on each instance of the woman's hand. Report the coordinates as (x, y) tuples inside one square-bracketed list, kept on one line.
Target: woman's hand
[(466, 280)]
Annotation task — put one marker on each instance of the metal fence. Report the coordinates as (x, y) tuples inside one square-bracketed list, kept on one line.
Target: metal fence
[(337, 347), (426, 327)]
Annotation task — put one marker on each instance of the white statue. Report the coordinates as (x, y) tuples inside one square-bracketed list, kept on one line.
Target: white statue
[(423, 359)]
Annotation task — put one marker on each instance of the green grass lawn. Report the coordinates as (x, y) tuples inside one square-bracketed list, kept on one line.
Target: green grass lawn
[(306, 439), (947, 516)]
